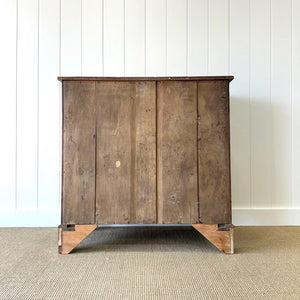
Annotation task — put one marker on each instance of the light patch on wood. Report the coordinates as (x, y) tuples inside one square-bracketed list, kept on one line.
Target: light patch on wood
[(118, 163)]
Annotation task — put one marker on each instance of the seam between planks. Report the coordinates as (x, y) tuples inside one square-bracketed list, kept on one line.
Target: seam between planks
[(197, 137), (96, 154)]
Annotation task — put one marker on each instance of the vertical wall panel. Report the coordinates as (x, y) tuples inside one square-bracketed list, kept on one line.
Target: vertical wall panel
[(218, 37), (27, 104), (197, 37), (8, 30), (113, 37), (135, 38), (71, 37), (281, 102), (296, 103), (92, 38), (176, 37), (48, 182), (155, 37), (240, 117), (260, 112)]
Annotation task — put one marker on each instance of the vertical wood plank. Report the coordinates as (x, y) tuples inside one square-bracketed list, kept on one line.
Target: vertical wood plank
[(176, 37), (71, 38), (218, 37), (27, 104), (260, 113), (197, 37), (79, 145), (135, 38), (48, 183), (240, 102), (145, 154), (92, 64), (177, 192), (213, 155), (115, 203), (156, 38), (296, 103), (281, 102), (113, 38), (8, 30)]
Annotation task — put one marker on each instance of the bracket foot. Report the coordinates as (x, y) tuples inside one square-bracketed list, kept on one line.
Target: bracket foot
[(70, 236), (220, 237)]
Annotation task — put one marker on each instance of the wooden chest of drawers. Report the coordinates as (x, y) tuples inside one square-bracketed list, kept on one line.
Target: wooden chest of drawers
[(145, 151)]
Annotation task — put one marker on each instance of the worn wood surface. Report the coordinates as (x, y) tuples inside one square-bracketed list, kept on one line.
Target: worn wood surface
[(115, 108), (145, 153), (68, 240), (222, 239), (126, 153), (130, 152), (78, 184), (177, 193), (189, 78), (213, 152)]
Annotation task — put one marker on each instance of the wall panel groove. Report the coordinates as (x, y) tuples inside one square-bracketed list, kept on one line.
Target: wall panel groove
[(27, 104), (8, 102), (295, 79)]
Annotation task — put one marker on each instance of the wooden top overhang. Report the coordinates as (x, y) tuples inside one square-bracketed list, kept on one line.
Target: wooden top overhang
[(187, 78)]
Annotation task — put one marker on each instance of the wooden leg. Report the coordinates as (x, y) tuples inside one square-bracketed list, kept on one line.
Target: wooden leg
[(70, 236), (221, 237)]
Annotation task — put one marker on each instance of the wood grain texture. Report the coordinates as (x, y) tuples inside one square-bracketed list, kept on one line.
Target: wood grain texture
[(187, 78), (177, 152), (115, 105), (145, 152), (78, 184), (68, 240), (126, 153), (213, 152), (130, 152), (222, 239)]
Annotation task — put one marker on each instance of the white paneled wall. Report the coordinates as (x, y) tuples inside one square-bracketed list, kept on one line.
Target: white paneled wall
[(257, 41)]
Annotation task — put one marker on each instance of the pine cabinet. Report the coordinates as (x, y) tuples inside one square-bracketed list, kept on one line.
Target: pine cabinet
[(145, 151)]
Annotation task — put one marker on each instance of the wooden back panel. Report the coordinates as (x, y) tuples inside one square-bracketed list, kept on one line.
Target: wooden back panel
[(213, 152), (126, 153), (78, 183), (177, 152), (146, 151)]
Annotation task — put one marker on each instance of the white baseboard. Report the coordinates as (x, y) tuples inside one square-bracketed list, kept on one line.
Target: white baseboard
[(240, 216), (30, 217), (266, 216)]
